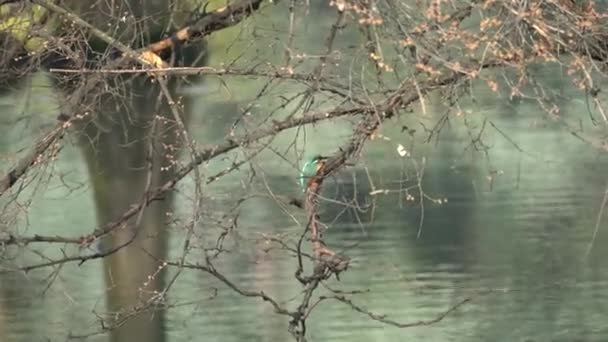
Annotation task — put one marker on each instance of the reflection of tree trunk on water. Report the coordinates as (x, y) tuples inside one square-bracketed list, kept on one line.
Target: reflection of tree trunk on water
[(4, 333), (124, 144), (269, 273), (116, 147)]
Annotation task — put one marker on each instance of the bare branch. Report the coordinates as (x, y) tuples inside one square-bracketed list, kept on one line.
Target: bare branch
[(217, 20), (385, 320)]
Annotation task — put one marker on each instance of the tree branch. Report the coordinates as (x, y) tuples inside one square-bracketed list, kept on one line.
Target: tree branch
[(33, 157), (217, 20)]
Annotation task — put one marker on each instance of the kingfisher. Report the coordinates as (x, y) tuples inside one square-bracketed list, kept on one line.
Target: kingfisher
[(310, 169)]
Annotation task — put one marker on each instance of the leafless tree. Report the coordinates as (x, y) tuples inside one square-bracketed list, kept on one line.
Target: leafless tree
[(117, 69)]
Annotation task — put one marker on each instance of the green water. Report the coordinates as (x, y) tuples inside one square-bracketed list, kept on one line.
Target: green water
[(515, 236), (516, 245)]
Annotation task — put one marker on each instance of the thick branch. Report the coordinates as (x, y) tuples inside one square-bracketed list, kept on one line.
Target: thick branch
[(214, 21)]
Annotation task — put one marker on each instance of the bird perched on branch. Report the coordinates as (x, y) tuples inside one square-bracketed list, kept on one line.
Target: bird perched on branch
[(309, 169)]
